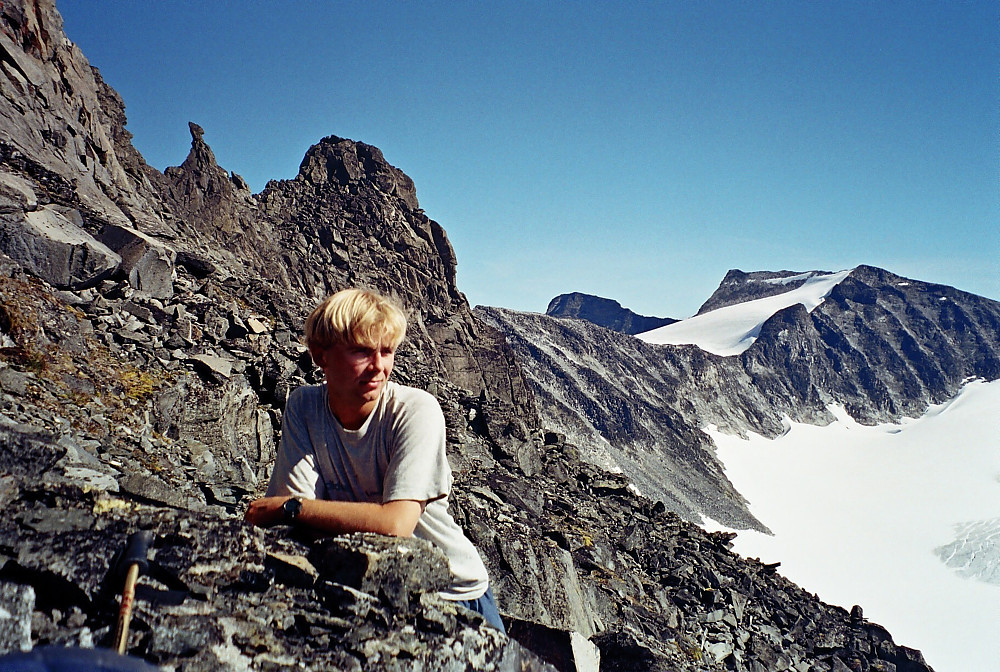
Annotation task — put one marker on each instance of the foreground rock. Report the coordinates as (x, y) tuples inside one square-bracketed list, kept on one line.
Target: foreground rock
[(220, 594)]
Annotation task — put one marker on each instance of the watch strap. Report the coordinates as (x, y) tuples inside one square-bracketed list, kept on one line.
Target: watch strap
[(291, 509)]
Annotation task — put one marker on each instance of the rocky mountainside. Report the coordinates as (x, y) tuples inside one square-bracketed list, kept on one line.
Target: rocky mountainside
[(603, 312), (881, 345), (149, 327)]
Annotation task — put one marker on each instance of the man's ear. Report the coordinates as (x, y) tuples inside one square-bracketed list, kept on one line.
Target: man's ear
[(317, 355)]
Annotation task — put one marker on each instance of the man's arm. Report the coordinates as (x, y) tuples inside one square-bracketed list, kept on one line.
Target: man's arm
[(295, 470), (397, 518)]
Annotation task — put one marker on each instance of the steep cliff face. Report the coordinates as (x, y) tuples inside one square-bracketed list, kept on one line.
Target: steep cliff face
[(148, 340), (62, 126), (626, 403)]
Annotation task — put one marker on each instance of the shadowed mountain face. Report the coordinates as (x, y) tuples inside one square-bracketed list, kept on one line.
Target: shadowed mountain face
[(881, 345), (149, 327), (603, 312)]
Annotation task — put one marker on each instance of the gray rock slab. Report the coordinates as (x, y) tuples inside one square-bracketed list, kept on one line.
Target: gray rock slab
[(256, 326), (566, 651), (396, 569), (14, 381), (16, 194), (152, 489), (91, 479), (217, 366), (48, 244)]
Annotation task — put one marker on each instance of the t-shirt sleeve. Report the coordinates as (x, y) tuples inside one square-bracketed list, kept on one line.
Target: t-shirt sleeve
[(418, 465), (295, 471)]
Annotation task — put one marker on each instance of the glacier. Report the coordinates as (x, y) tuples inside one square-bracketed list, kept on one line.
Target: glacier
[(899, 518)]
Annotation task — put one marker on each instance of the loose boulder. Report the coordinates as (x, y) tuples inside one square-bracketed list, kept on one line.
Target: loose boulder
[(148, 263), (49, 243)]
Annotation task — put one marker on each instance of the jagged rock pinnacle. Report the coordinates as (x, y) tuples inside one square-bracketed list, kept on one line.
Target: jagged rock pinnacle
[(339, 161)]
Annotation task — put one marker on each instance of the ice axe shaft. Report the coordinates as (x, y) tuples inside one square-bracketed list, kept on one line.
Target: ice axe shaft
[(136, 558)]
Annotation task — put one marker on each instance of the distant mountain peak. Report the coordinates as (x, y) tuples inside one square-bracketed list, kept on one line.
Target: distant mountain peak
[(732, 328), (739, 286), (603, 312)]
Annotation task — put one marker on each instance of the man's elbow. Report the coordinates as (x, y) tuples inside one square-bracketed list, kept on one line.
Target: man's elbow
[(400, 518), (399, 528)]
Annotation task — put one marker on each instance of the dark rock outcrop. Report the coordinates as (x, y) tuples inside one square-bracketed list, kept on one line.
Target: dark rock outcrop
[(606, 313)]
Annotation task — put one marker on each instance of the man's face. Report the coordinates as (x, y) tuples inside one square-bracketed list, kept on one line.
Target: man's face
[(355, 374)]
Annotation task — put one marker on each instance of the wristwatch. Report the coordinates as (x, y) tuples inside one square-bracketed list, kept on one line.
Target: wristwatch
[(291, 509)]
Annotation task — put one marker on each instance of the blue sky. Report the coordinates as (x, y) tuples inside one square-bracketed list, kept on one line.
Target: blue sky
[(635, 151)]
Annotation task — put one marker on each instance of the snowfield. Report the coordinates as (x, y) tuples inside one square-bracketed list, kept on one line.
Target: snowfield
[(733, 329), (870, 516)]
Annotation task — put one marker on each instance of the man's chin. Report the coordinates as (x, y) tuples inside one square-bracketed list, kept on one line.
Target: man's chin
[(371, 391)]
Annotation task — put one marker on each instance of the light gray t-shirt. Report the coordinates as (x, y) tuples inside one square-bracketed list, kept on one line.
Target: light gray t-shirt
[(398, 453)]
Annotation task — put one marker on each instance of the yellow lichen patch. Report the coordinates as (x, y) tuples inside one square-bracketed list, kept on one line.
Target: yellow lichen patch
[(585, 539), (139, 385), (106, 505)]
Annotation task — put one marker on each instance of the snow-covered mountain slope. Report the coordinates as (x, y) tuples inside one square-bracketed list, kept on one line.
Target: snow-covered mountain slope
[(901, 518), (740, 287), (881, 346), (732, 329)]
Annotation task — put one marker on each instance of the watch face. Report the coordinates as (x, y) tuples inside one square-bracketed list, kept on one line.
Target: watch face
[(291, 508)]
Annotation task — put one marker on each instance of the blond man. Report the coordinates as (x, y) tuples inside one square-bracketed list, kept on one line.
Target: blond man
[(360, 453)]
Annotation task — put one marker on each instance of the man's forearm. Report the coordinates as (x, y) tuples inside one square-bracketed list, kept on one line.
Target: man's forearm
[(397, 518)]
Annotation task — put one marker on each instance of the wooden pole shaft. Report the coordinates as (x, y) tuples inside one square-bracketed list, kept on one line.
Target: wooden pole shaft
[(125, 612)]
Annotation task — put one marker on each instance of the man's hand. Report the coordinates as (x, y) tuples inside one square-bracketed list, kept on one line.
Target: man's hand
[(266, 511)]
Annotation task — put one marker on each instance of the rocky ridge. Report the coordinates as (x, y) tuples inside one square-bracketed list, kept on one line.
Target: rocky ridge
[(149, 340)]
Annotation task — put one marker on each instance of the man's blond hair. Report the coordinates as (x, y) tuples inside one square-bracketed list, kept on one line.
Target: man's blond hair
[(355, 317)]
